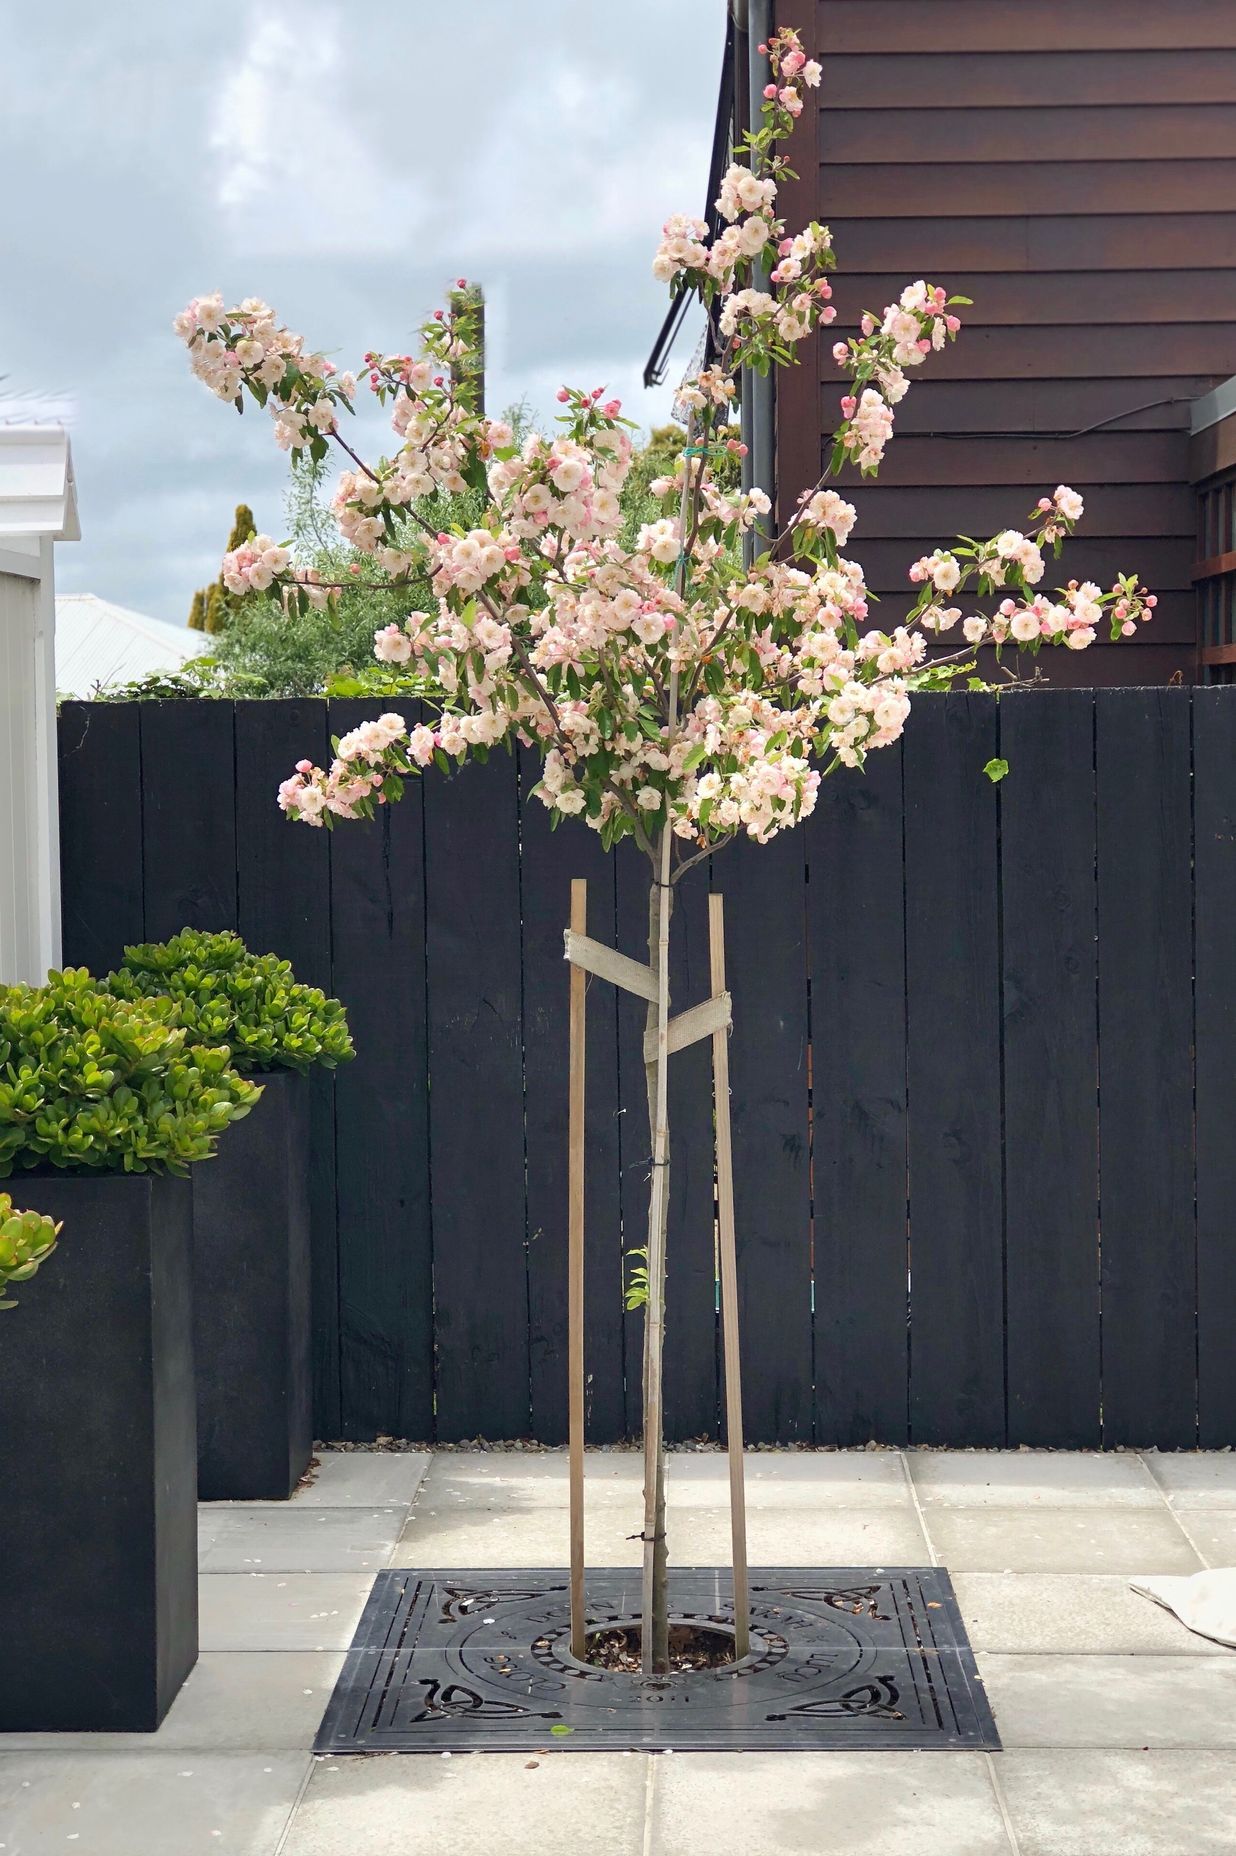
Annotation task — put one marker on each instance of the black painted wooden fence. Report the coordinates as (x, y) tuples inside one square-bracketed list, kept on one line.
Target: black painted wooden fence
[(983, 1061)]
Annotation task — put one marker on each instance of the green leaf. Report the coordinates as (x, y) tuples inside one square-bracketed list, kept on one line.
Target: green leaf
[(560, 1728), (996, 770)]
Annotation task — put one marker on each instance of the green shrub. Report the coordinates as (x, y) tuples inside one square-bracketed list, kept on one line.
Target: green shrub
[(90, 1081), (26, 1240), (253, 1003)]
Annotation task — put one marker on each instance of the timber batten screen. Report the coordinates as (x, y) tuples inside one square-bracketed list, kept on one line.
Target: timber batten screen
[(992, 1205)]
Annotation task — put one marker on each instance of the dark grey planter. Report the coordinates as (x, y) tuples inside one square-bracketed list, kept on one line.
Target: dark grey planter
[(98, 1490), (251, 1301)]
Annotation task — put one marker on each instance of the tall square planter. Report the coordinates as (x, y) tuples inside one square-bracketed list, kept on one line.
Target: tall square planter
[(251, 1301), (98, 1486)]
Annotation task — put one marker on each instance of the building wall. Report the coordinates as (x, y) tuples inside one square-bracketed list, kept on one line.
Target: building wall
[(1073, 170)]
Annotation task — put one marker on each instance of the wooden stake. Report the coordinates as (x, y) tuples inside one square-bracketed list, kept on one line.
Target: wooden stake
[(575, 1271), (729, 1283)]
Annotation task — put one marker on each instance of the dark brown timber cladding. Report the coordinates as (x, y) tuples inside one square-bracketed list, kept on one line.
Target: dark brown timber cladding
[(1073, 170)]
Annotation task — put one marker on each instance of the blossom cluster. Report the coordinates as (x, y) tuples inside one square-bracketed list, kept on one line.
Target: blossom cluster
[(1016, 561), (665, 687), (918, 324)]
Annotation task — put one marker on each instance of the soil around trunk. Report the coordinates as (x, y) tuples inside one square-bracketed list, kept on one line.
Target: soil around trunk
[(691, 1646)]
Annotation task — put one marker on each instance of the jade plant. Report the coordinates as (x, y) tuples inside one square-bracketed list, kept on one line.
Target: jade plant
[(91, 1082), (26, 1240), (252, 1003)]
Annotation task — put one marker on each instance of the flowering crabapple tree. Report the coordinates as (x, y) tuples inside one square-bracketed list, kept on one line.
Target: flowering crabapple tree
[(675, 697)]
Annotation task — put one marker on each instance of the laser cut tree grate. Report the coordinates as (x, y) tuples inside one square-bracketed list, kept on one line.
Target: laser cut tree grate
[(455, 1662)]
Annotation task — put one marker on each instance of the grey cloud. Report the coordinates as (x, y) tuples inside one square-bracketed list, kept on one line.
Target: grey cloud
[(341, 165)]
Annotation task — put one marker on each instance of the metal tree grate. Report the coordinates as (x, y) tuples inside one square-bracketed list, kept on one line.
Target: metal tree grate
[(457, 1662)]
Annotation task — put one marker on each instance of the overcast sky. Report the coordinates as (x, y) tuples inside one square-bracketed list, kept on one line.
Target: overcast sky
[(344, 163)]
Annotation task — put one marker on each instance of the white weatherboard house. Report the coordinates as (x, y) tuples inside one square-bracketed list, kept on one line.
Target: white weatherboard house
[(100, 645), (38, 507)]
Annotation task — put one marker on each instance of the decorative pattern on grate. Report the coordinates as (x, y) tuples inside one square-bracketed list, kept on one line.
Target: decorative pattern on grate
[(464, 1661)]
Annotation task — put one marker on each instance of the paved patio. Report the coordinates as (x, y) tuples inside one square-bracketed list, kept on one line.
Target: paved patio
[(1119, 1727)]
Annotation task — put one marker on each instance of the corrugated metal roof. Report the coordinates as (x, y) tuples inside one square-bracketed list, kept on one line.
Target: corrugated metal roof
[(99, 644)]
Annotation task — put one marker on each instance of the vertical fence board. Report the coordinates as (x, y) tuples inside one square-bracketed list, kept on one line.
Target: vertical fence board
[(766, 961), (1047, 852), (283, 907), (189, 816), (382, 1116), (1147, 1230), (100, 763), (691, 1387), (953, 1068), (856, 926), (1214, 837), (476, 1107), (549, 859)]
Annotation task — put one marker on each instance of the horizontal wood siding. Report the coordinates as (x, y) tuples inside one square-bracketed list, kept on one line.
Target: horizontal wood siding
[(1005, 26), (1073, 171)]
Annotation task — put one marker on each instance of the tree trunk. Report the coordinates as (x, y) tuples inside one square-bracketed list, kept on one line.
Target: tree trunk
[(655, 1620)]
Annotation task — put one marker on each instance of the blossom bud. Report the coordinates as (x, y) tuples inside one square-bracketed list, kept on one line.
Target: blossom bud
[(770, 90), (461, 283), (562, 396)]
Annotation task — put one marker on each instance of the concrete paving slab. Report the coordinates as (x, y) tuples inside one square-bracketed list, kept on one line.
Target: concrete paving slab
[(363, 1478), (1112, 1701), (465, 1535), (825, 1536), (1119, 1804), (1114, 1540), (487, 1482), (694, 1479), (1212, 1531), (146, 1804), (832, 1804), (1194, 1478), (243, 1701), (280, 1610), (278, 1538), (1035, 1478), (1070, 1614), (579, 1804), (807, 1479)]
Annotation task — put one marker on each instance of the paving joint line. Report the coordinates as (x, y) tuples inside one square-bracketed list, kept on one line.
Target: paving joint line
[(924, 1530), (301, 1789), (1173, 1511), (1001, 1804), (650, 1779)]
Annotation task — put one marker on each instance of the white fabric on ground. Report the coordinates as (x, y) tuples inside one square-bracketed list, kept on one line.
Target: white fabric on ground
[(1205, 1602)]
